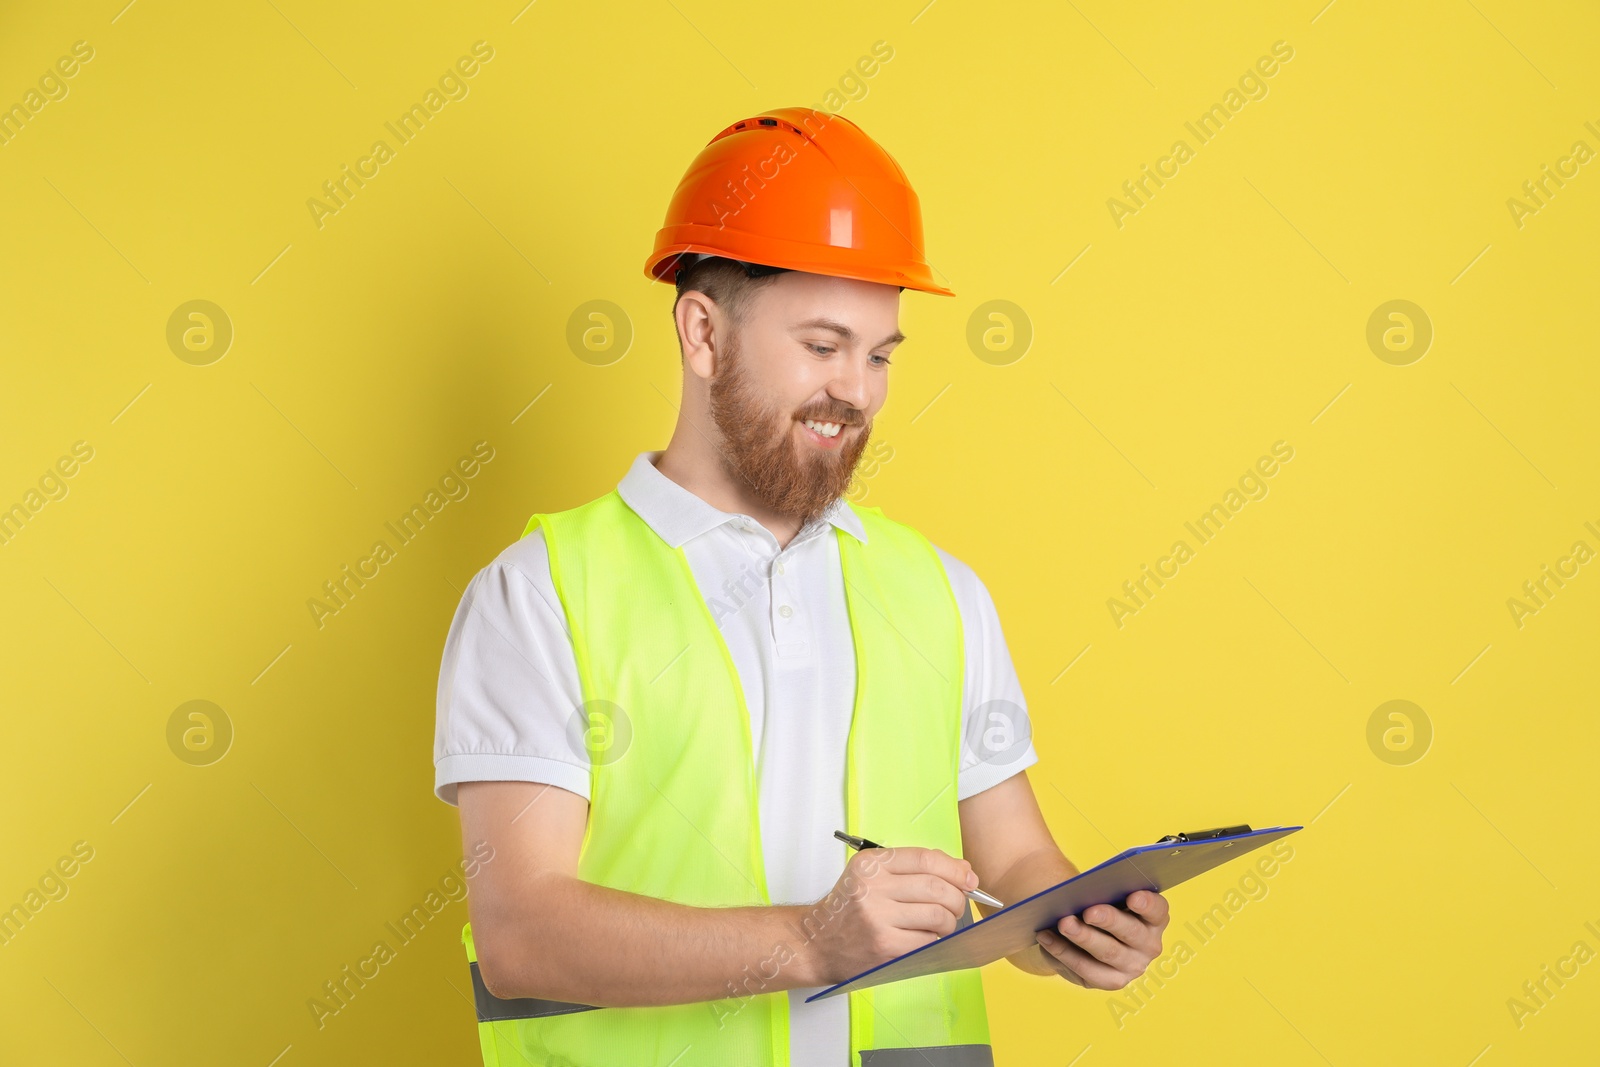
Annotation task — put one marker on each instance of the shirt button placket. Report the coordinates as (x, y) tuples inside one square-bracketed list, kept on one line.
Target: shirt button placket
[(785, 611)]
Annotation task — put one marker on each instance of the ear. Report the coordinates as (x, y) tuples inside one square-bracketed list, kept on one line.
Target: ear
[(700, 325)]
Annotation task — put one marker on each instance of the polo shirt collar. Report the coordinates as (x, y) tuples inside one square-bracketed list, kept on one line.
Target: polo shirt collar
[(677, 515)]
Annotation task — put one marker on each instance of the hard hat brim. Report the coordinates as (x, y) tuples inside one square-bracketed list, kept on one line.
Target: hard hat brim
[(673, 242)]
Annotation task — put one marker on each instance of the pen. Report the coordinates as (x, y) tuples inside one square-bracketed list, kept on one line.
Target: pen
[(859, 843)]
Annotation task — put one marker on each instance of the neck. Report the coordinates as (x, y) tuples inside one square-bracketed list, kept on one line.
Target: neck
[(692, 460)]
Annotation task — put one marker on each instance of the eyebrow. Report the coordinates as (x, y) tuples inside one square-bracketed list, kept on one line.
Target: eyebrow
[(844, 331)]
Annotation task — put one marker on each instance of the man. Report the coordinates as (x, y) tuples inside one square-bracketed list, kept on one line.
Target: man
[(657, 707)]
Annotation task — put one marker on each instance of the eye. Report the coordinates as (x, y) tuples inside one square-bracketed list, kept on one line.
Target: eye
[(821, 350), (886, 360)]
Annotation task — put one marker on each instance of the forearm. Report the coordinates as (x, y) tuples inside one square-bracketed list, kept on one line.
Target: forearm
[(1032, 873), (590, 944)]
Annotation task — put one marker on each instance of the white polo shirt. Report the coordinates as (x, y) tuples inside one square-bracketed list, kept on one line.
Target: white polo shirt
[(508, 685)]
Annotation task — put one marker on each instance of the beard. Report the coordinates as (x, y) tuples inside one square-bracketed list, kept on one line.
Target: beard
[(792, 478)]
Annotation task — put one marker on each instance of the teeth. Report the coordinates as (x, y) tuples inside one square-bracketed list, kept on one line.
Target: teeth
[(826, 429)]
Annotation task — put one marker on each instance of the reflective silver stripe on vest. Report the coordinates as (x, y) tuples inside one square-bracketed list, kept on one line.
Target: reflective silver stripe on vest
[(492, 1009), (929, 1056)]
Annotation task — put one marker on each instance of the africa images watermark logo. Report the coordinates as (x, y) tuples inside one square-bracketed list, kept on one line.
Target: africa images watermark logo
[(52, 886), (1538, 992), (52, 486), (852, 85), (1250, 887), (1538, 591), (454, 485), (338, 992), (1538, 192), (52, 88), (1252, 85), (1138, 592), (452, 85)]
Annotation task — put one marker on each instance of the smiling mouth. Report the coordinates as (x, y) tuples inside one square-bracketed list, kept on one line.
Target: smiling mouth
[(823, 434)]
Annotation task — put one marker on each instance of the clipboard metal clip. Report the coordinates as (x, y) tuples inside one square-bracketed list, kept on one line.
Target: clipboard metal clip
[(1205, 835)]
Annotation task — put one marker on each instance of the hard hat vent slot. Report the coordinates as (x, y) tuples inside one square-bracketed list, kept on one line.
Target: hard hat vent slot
[(769, 122)]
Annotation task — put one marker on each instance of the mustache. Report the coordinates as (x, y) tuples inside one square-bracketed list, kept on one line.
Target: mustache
[(850, 419)]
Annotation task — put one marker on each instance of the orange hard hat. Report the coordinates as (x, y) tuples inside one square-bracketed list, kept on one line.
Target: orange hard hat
[(798, 188)]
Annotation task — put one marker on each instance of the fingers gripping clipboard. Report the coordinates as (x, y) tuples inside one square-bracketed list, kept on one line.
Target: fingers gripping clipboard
[(1156, 867)]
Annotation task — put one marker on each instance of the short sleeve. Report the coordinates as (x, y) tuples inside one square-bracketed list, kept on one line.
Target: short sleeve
[(997, 734), (508, 681)]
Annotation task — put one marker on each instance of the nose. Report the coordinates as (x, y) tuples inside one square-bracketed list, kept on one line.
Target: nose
[(850, 384)]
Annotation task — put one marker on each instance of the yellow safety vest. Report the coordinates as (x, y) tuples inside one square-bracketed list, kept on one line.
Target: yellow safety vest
[(674, 808)]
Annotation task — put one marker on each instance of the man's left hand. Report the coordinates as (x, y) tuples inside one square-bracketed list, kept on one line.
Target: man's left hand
[(1110, 946)]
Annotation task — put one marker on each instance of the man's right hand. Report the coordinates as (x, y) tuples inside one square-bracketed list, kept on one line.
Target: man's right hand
[(543, 932), (887, 902)]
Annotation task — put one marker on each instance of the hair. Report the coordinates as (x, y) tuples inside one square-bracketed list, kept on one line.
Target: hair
[(730, 283)]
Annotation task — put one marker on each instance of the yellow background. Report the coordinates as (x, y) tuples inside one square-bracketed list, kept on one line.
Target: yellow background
[(1229, 313)]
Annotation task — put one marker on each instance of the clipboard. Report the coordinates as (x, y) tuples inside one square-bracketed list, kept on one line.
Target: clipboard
[(1171, 860)]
